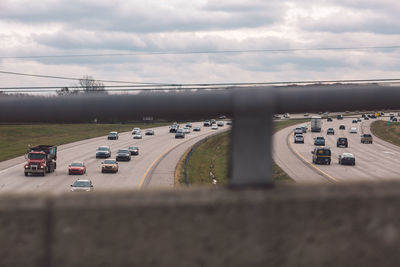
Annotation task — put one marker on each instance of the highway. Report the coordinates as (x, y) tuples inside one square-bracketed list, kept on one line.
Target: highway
[(374, 162), (153, 167)]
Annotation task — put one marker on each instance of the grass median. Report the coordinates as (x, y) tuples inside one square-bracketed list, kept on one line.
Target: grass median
[(389, 133), (14, 139), (210, 160)]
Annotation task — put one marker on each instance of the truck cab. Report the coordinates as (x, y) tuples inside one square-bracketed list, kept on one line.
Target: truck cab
[(40, 160)]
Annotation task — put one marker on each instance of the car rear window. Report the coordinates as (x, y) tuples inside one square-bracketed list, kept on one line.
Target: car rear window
[(323, 152)]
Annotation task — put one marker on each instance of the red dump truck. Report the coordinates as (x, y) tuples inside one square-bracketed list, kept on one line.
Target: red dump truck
[(41, 159)]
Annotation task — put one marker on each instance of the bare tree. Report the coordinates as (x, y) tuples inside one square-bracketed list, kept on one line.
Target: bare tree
[(90, 85)]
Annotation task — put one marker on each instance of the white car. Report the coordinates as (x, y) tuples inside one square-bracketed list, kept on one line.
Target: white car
[(298, 138), (353, 130), (136, 130), (286, 115), (186, 130), (214, 127), (137, 136), (82, 185)]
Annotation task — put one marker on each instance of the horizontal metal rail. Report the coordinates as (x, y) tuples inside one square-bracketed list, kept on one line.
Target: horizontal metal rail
[(251, 108)]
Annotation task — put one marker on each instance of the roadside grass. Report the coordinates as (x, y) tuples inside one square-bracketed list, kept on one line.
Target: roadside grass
[(14, 138), (388, 133), (213, 157)]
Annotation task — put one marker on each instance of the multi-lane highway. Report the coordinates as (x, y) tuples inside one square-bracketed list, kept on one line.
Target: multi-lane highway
[(154, 166), (377, 161)]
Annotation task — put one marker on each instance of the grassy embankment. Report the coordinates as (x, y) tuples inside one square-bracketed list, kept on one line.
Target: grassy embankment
[(213, 156), (14, 139), (388, 133)]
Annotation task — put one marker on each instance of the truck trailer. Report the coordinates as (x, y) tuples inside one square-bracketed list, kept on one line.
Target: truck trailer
[(41, 159), (316, 124)]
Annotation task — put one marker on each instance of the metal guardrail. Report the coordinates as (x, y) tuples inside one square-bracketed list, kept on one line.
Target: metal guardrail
[(251, 109)]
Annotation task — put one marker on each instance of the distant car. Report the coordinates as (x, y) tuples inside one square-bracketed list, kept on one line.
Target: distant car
[(354, 121), (298, 138), (77, 167), (319, 141), (149, 132), (298, 130), (330, 131), (373, 116), (394, 119), (186, 130), (206, 123), (137, 136), (347, 159), (276, 117), (220, 123), (188, 124), (286, 115), (321, 155), (82, 185), (180, 133), (229, 122), (339, 117), (134, 150), (366, 138), (358, 119), (112, 136), (173, 128), (304, 128), (103, 152), (342, 127), (196, 129), (342, 141), (123, 155), (353, 130), (329, 119), (363, 115), (214, 127), (306, 115), (109, 165), (135, 131), (366, 118)]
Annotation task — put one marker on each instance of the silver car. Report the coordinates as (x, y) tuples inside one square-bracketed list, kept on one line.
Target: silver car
[(82, 185)]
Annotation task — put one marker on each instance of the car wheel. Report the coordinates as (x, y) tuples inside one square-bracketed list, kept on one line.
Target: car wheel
[(329, 162), (26, 174), (102, 171), (346, 145)]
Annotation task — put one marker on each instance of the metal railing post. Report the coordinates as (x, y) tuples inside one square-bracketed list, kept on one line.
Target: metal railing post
[(251, 146)]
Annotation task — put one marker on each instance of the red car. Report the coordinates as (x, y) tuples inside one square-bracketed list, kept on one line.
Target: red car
[(77, 167)]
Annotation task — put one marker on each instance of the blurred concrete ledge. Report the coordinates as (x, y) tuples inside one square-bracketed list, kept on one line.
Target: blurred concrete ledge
[(291, 225)]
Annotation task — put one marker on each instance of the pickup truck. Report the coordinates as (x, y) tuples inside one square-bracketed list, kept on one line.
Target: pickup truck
[(366, 138)]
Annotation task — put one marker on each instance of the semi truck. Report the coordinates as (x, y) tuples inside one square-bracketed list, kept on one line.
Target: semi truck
[(41, 159), (316, 124)]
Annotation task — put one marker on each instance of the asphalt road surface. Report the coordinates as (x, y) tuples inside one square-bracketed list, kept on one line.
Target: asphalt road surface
[(154, 166), (374, 162)]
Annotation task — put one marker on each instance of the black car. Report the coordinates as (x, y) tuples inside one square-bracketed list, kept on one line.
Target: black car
[(134, 150), (180, 133), (347, 159), (196, 129), (329, 119), (339, 117), (103, 152), (123, 155), (149, 132), (112, 136), (173, 128), (188, 124), (206, 123), (394, 119), (366, 118), (342, 141), (354, 121), (342, 127)]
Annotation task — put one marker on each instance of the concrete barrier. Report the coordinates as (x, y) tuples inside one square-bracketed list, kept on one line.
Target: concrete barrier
[(289, 225)]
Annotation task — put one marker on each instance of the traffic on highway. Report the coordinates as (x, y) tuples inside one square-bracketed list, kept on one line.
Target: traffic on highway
[(113, 162), (336, 148)]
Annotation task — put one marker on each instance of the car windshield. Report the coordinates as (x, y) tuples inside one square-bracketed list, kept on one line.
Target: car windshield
[(112, 134), (36, 156), (76, 164), (367, 135), (109, 161), (103, 148), (123, 151), (179, 131), (320, 138), (81, 184), (133, 147), (323, 152), (342, 139)]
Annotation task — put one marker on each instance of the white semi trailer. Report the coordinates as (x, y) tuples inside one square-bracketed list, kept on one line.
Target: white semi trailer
[(316, 124)]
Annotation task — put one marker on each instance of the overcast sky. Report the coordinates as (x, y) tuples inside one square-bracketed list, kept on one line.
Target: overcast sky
[(92, 27)]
